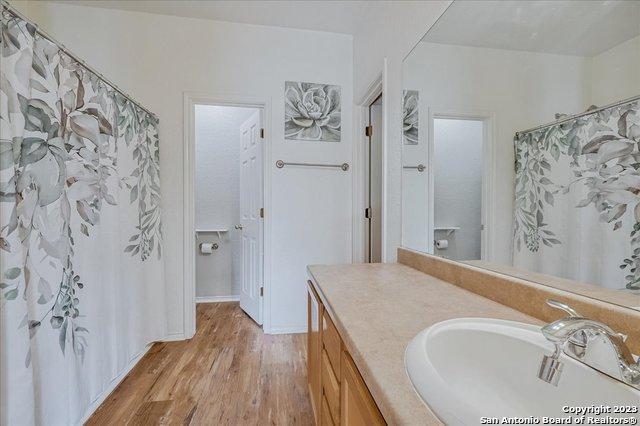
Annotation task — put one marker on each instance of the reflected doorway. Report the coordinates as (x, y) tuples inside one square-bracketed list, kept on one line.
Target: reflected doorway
[(373, 187), (458, 187)]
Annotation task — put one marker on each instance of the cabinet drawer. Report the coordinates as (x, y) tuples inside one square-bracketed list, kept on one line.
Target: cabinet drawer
[(330, 387), (331, 341), (325, 419)]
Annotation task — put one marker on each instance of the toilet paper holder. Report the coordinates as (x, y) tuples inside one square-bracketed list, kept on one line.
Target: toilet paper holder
[(214, 246)]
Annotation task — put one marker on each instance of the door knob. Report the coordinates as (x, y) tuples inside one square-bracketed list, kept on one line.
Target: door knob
[(238, 226)]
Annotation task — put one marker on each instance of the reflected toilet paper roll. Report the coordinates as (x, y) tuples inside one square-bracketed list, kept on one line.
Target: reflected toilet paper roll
[(208, 248), (442, 244)]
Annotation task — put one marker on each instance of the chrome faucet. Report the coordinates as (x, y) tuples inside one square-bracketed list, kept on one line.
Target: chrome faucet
[(590, 342)]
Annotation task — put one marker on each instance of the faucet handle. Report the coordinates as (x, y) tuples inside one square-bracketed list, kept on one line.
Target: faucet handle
[(564, 307), (574, 314)]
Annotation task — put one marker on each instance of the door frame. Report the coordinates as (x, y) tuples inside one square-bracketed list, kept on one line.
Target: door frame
[(360, 189), (190, 100), (488, 119)]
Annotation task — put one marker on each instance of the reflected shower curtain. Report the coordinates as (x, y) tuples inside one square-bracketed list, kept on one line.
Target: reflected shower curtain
[(81, 286), (577, 207)]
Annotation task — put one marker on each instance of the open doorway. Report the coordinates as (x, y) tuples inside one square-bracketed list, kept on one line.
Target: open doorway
[(461, 158), (373, 183), (229, 206)]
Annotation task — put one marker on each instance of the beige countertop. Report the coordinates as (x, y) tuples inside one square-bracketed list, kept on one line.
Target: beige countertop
[(379, 308)]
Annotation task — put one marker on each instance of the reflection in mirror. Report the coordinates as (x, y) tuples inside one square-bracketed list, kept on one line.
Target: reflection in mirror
[(521, 143)]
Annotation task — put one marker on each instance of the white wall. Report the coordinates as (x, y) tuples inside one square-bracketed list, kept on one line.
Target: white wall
[(615, 74), (480, 80), (387, 33), (458, 149), (217, 137), (157, 58)]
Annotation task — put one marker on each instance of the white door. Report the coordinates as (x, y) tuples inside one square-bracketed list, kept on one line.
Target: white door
[(250, 217)]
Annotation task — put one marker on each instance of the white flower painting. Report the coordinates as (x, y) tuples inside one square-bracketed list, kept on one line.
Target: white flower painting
[(410, 117), (312, 112)]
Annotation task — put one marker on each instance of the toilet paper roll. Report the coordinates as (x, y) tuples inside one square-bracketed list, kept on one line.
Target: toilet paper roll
[(442, 244), (206, 248)]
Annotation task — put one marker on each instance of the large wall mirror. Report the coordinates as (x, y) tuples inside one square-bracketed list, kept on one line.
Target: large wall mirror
[(521, 143)]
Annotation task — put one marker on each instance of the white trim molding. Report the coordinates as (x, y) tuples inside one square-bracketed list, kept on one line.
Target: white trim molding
[(191, 99), (174, 337), (288, 330), (217, 299)]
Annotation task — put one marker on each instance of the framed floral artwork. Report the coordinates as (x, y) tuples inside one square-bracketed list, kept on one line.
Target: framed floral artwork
[(312, 112), (410, 117)]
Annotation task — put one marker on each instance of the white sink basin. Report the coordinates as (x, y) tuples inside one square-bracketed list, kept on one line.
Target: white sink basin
[(470, 368)]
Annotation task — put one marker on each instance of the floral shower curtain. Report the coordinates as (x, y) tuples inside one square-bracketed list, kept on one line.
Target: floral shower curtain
[(577, 207), (81, 286)]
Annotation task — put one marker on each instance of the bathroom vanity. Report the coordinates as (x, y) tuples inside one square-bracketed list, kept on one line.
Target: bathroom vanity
[(362, 318), (338, 392)]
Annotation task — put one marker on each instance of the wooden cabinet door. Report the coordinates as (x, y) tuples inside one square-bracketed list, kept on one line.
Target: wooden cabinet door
[(326, 420), (357, 406), (332, 342), (330, 388), (314, 348)]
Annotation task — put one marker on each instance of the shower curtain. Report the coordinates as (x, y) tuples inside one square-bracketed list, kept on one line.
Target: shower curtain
[(81, 285), (577, 199)]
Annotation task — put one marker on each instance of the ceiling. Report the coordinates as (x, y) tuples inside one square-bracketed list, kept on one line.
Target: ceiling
[(328, 16), (580, 28)]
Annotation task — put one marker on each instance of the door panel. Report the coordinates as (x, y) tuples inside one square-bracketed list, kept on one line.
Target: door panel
[(252, 224)]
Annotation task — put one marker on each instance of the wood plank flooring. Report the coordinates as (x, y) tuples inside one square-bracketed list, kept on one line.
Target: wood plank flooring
[(229, 373)]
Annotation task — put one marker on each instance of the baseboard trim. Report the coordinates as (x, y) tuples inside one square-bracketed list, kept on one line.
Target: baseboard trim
[(217, 299), (173, 337), (287, 330), (113, 385)]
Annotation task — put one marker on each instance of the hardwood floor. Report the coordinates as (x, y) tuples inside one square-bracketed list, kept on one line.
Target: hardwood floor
[(229, 373)]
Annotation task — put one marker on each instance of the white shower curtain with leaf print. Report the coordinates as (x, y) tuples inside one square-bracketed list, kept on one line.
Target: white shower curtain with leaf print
[(81, 286), (577, 203)]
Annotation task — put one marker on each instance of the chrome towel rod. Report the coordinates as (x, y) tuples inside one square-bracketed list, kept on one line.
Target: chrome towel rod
[(344, 166), (573, 117), (420, 167)]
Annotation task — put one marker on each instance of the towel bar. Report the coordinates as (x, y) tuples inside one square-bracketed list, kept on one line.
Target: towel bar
[(420, 167), (344, 166)]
